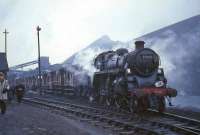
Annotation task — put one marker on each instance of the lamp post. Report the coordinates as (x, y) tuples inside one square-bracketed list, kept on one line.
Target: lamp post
[(6, 32), (39, 67)]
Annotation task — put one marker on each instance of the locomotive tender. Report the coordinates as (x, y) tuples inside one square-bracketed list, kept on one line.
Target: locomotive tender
[(131, 80)]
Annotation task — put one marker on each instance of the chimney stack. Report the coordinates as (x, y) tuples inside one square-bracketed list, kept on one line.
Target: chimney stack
[(139, 45)]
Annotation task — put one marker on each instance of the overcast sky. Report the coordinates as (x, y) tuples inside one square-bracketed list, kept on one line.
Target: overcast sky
[(70, 25)]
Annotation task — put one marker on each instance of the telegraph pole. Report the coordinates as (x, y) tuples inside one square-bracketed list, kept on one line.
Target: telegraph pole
[(5, 33), (39, 67)]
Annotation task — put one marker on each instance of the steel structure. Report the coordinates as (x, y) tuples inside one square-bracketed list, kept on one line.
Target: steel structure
[(24, 65)]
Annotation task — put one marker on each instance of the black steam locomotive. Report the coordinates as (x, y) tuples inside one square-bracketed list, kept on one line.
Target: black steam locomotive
[(131, 80)]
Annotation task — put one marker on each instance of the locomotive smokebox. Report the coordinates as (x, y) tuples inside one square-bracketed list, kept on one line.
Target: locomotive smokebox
[(139, 45)]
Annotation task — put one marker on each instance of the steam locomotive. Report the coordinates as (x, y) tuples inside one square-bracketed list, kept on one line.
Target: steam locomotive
[(131, 80)]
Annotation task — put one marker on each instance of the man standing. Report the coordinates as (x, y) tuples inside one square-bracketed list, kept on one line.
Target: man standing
[(4, 87), (19, 89), (11, 94)]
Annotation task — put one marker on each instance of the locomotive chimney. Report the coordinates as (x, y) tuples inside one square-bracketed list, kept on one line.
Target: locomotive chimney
[(139, 45)]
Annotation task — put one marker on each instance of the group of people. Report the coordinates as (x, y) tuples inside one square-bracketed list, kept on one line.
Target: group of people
[(6, 93)]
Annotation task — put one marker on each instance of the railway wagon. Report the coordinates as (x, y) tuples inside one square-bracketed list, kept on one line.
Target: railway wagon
[(57, 81)]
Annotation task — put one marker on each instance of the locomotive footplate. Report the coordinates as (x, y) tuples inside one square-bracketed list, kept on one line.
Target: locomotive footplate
[(154, 91)]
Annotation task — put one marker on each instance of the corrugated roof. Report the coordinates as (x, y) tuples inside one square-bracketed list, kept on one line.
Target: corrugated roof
[(3, 62)]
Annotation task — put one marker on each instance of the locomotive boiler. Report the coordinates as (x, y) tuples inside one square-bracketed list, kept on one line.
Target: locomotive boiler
[(131, 80)]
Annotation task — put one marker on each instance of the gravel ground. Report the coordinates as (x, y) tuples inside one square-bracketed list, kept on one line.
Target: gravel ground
[(23, 119)]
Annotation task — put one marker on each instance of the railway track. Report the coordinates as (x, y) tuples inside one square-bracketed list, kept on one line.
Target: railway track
[(125, 123), (180, 121), (94, 117)]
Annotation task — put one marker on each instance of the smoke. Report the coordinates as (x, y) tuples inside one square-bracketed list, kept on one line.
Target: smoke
[(85, 58), (179, 53)]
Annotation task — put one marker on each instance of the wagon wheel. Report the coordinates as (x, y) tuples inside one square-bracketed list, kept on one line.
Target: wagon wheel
[(117, 102), (109, 101), (102, 99), (121, 102), (91, 98)]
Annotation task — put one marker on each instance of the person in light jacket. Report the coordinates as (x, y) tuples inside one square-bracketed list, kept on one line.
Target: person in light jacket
[(4, 87)]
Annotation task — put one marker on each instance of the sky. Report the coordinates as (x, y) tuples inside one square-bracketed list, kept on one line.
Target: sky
[(70, 25)]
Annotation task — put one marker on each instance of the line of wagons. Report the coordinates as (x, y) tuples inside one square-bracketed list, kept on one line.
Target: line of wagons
[(59, 81)]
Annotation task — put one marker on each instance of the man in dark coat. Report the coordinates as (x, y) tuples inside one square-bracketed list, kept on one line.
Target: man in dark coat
[(11, 94), (19, 91)]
